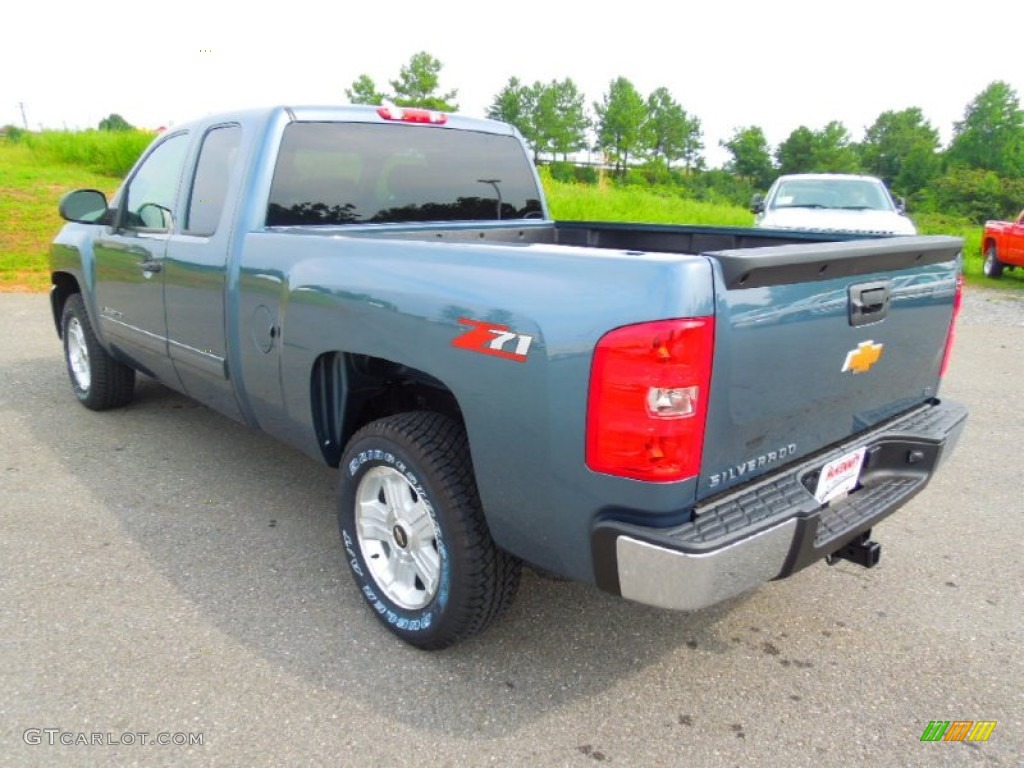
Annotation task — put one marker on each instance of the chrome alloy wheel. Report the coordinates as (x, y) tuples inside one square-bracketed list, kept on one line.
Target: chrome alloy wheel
[(78, 355), (397, 538)]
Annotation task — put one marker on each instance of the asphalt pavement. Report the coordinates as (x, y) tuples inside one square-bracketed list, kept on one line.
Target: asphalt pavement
[(169, 575)]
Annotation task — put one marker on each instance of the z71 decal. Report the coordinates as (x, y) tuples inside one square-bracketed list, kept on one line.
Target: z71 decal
[(493, 339)]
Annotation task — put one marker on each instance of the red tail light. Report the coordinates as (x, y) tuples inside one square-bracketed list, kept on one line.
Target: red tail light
[(648, 399), (957, 300), (412, 115)]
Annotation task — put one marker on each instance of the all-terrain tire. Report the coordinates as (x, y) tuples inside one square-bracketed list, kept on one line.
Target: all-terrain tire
[(99, 381), (415, 535)]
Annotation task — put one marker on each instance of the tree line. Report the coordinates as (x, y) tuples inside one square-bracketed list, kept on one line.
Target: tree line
[(979, 175), (653, 139)]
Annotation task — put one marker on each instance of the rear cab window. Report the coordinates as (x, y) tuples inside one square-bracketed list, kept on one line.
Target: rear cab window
[(362, 173)]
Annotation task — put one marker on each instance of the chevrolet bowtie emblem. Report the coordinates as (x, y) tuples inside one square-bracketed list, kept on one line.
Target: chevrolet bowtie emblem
[(861, 359)]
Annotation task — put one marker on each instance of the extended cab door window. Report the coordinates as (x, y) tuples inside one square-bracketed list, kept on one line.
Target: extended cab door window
[(149, 200), (195, 272), (213, 171)]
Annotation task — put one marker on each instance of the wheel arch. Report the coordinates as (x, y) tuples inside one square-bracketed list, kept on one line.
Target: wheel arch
[(348, 391), (62, 286)]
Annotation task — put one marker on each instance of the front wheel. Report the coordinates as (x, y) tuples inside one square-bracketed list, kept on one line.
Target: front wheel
[(414, 533), (993, 266), (98, 380)]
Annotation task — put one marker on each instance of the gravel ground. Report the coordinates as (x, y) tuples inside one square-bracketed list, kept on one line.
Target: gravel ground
[(985, 306)]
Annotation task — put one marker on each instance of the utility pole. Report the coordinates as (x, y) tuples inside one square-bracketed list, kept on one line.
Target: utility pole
[(24, 119)]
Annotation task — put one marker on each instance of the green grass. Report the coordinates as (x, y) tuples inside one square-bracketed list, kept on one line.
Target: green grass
[(36, 171), (609, 203), (111, 153), (937, 224), (30, 188)]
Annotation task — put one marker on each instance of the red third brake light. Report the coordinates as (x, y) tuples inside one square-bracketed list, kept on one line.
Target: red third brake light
[(412, 115), (649, 387), (957, 301)]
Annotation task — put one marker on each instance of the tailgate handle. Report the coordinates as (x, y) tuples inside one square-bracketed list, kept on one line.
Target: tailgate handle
[(869, 302)]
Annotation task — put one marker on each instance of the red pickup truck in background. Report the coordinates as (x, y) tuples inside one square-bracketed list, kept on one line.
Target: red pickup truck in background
[(1003, 245)]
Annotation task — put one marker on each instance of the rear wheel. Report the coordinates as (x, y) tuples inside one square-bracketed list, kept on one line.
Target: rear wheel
[(414, 533), (98, 380), (993, 266)]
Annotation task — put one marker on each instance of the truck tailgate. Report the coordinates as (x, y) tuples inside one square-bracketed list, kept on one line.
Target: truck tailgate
[(816, 343)]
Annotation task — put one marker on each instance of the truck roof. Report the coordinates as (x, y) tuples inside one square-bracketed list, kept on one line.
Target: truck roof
[(353, 113), (831, 176)]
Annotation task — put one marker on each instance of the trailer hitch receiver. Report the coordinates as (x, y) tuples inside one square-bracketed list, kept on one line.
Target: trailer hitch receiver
[(861, 551)]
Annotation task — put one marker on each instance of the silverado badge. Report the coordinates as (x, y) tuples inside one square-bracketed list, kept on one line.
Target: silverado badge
[(861, 359)]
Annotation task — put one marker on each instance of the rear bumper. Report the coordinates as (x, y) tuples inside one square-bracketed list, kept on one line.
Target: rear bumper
[(773, 527)]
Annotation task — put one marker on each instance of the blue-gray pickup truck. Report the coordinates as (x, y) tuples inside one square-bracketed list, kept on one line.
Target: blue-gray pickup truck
[(674, 414)]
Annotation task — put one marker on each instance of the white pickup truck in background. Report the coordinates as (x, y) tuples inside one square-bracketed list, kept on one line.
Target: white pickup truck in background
[(831, 202)]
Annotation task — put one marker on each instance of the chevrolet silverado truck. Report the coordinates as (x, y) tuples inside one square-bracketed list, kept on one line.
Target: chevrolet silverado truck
[(674, 414), (1002, 242)]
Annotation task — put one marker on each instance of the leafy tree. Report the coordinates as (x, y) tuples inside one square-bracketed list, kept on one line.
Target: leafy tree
[(12, 133), (919, 168), (364, 91), (991, 135), (560, 119), (834, 151), (751, 157), (693, 144), (418, 82), (512, 104), (669, 133), (516, 103), (902, 149), (620, 119), (829, 150), (114, 122), (892, 137), (796, 153), (973, 193)]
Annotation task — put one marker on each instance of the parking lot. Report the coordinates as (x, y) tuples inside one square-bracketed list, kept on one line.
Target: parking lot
[(168, 572)]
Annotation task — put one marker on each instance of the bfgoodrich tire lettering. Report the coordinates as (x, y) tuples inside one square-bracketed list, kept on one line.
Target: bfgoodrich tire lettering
[(414, 534), (98, 380)]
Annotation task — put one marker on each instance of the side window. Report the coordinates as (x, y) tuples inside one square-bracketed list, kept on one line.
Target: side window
[(149, 203), (216, 159)]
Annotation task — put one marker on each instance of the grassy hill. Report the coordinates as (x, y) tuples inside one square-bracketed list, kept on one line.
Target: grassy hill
[(36, 171), (30, 188)]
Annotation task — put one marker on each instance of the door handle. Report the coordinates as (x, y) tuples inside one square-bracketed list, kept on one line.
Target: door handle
[(151, 266), (869, 302)]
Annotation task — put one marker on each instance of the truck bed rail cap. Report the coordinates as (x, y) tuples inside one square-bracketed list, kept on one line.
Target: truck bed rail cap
[(786, 264)]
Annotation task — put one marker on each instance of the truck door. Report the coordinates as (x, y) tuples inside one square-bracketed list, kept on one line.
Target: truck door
[(129, 261), (195, 273)]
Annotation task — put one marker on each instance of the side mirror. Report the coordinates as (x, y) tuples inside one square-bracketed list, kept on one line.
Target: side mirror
[(901, 205), (757, 203), (85, 206)]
